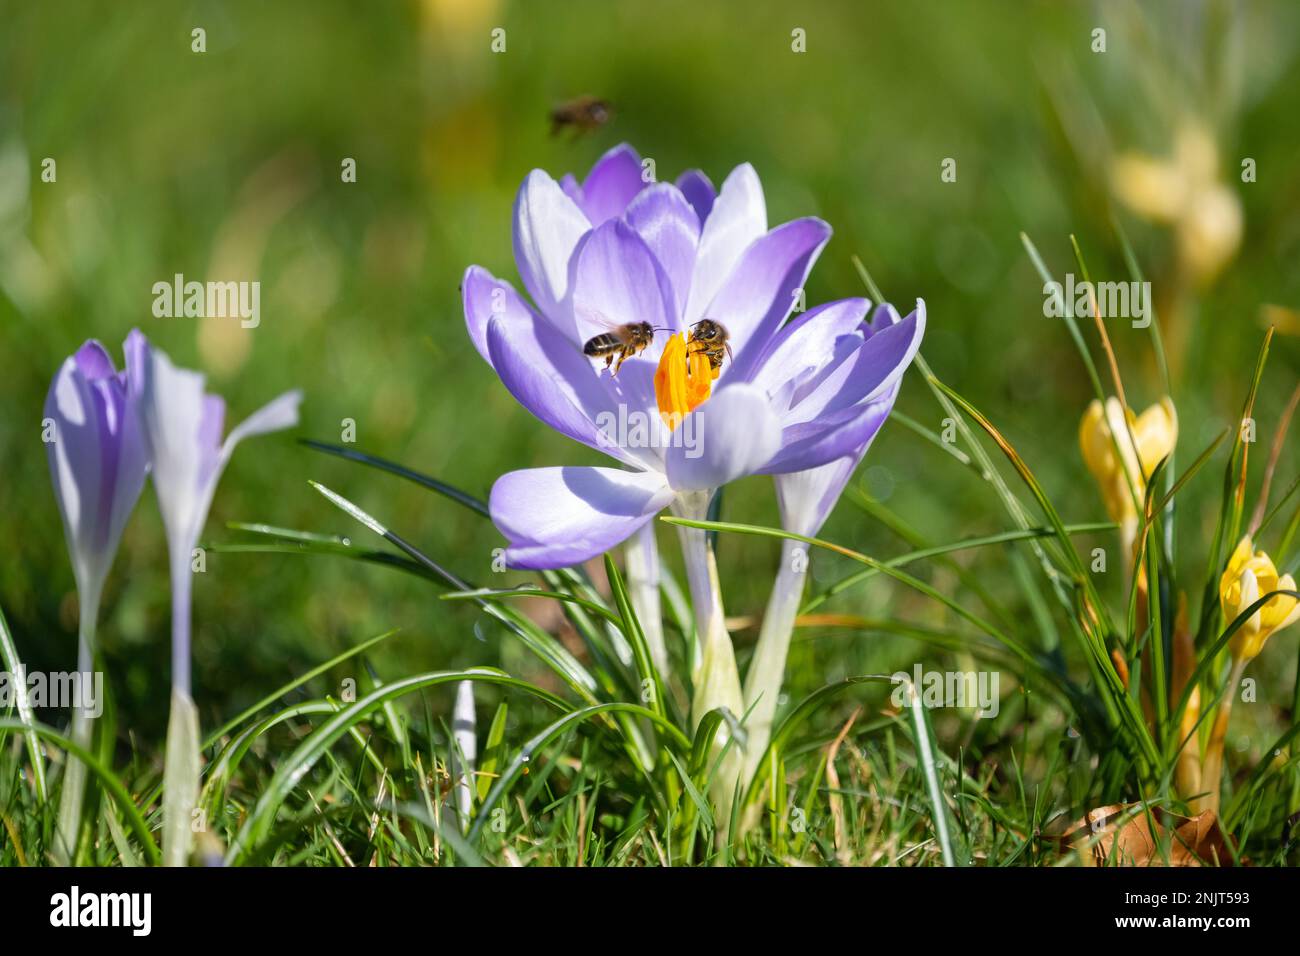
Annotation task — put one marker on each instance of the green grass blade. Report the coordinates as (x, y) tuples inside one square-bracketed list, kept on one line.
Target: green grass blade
[(14, 665), (294, 767), (545, 647), (555, 730), (794, 720), (925, 758), (1209, 658), (880, 566), (480, 594), (294, 684), (492, 751), (227, 761), (965, 544), (1230, 508), (433, 484), (111, 783), (640, 647)]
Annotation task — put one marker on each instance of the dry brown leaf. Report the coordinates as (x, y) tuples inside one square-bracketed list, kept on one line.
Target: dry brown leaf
[(1122, 835)]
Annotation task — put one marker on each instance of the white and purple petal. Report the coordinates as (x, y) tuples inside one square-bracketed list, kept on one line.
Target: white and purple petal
[(834, 435), (276, 415), (612, 184), (670, 227), (548, 226), (618, 280), (557, 517), (807, 496), (737, 218), (172, 407), (699, 192), (810, 343), (97, 461), (181, 424), (870, 372), (760, 290), (731, 435), (485, 296), (555, 382)]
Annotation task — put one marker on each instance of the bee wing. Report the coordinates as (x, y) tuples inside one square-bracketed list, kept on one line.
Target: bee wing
[(592, 322), (596, 319)]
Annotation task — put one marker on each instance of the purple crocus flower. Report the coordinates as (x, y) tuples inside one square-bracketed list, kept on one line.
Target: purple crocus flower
[(182, 426), (98, 466), (805, 499), (615, 250), (97, 461), (783, 397)]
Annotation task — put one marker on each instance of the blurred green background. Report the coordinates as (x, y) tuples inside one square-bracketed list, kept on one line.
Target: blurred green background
[(226, 164)]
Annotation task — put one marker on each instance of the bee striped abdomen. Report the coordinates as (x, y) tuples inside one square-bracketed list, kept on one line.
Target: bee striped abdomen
[(603, 344)]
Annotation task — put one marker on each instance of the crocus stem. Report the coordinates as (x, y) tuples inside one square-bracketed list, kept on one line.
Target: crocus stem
[(74, 780), (1187, 776), (181, 771), (1213, 766), (181, 600), (716, 678), (1128, 530), (767, 669), (642, 558)]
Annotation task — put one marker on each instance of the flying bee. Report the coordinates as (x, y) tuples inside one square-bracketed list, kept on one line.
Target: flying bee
[(621, 342), (708, 337), (582, 115)]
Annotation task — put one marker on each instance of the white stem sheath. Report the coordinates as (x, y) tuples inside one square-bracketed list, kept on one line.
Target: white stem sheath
[(716, 678), (181, 763), (180, 781), (642, 557), (767, 669), (464, 749)]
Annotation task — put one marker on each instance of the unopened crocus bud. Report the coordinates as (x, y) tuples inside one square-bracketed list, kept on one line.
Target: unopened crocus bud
[(1122, 449), (97, 460)]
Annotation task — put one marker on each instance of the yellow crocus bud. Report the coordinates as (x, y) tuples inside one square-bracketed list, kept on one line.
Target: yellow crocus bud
[(1249, 576), (1122, 449)]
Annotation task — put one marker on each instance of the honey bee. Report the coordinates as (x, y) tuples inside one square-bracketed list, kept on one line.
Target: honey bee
[(621, 342), (582, 115), (708, 337)]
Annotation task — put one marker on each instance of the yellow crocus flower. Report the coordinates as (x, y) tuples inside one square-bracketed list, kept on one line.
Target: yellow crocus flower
[(1185, 192), (1122, 449), (1249, 576)]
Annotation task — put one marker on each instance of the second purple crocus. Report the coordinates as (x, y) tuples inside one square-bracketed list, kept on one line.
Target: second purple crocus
[(806, 499)]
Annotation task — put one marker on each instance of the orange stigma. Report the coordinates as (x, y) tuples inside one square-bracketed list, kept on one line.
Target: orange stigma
[(682, 381)]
